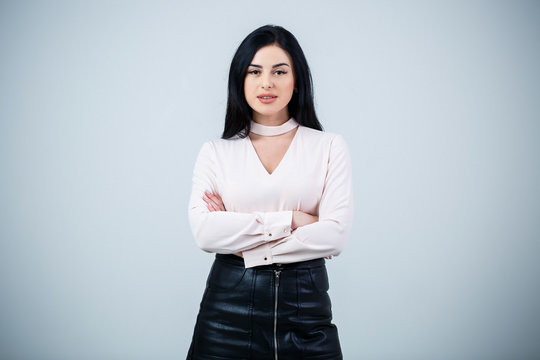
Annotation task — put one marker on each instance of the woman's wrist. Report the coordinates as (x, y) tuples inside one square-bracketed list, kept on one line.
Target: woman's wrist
[(301, 218)]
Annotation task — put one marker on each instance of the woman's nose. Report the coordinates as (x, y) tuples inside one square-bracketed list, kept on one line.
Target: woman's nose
[(266, 82)]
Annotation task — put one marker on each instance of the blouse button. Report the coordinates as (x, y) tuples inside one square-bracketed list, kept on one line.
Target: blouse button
[(265, 258), (270, 234)]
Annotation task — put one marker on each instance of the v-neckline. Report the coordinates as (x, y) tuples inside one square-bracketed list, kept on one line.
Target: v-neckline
[(258, 159)]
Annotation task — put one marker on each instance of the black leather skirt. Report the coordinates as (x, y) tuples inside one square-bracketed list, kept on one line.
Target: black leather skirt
[(273, 312)]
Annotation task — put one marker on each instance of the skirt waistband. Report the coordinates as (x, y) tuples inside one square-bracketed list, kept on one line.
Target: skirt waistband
[(238, 261)]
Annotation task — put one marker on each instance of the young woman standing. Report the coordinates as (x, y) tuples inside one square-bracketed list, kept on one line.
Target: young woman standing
[(272, 198)]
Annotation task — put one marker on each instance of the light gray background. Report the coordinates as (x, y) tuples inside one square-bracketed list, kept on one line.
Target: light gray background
[(104, 107)]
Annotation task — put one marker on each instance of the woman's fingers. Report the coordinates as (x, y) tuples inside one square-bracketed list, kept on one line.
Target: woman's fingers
[(210, 202), (214, 202)]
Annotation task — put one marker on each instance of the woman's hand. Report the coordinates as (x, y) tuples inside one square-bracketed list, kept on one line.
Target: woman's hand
[(213, 202), (301, 218)]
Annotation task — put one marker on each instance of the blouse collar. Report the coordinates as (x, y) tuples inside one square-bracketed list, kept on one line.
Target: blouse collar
[(266, 130)]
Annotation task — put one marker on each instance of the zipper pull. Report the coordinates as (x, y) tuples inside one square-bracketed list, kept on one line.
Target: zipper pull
[(277, 272)]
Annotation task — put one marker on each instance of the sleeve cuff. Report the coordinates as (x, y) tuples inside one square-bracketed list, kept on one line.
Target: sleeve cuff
[(261, 255), (276, 224)]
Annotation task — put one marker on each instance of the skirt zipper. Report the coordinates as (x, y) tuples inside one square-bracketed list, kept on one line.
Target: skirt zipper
[(276, 287)]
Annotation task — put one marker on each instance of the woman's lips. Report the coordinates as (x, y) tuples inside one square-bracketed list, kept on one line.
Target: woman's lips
[(267, 99)]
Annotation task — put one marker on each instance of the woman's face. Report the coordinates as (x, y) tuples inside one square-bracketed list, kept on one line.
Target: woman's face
[(270, 74)]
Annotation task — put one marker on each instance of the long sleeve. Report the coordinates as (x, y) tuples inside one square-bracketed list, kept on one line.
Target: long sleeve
[(226, 231), (336, 211)]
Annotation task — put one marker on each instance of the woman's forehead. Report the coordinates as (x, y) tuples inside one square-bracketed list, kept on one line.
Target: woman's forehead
[(271, 55)]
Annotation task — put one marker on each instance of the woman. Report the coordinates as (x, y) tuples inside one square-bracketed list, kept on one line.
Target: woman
[(272, 198)]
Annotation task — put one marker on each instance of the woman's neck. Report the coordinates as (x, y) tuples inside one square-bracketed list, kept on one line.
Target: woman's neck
[(271, 120), (266, 130)]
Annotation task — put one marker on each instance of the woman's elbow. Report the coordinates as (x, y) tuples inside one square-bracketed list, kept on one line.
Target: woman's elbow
[(213, 243), (205, 241), (340, 240), (199, 229), (339, 246), (203, 244)]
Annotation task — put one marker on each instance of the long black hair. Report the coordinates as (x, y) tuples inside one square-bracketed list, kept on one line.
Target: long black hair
[(238, 116)]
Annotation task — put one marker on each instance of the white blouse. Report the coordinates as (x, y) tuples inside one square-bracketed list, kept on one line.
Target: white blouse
[(314, 176)]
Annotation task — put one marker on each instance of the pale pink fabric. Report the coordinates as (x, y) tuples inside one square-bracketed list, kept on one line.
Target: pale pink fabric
[(314, 176)]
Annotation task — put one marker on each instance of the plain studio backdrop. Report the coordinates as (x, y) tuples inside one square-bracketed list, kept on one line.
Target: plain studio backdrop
[(104, 106)]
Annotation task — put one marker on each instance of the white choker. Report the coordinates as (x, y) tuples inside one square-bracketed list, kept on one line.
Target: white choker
[(266, 130)]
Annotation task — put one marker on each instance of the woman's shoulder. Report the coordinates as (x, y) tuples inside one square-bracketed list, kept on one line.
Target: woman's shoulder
[(218, 145), (321, 137)]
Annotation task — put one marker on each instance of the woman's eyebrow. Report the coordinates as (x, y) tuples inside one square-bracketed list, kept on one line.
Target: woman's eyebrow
[(273, 66)]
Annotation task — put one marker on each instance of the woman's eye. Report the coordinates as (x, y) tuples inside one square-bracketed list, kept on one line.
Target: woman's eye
[(281, 72), (254, 72)]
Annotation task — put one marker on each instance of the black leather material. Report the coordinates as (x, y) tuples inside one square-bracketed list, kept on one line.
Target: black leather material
[(236, 315)]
